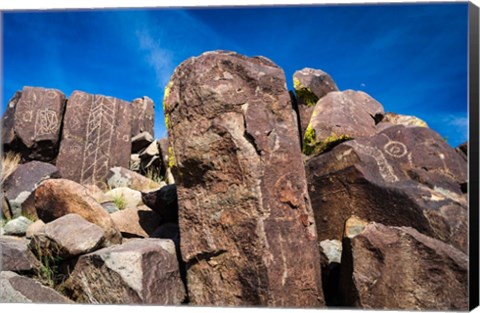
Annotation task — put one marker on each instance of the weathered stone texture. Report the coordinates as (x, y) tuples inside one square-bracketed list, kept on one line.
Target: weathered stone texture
[(140, 271), (310, 85), (142, 116), (404, 176), (399, 268), (244, 211), (15, 255), (58, 197), (19, 289), (96, 137), (339, 116)]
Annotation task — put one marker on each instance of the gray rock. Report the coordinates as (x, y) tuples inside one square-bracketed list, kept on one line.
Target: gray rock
[(20, 289), (151, 277), (110, 207), (122, 177), (16, 256), (17, 227), (69, 236), (124, 197)]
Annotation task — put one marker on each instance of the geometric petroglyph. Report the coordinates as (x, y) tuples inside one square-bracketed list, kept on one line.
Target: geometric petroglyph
[(46, 122), (27, 116), (395, 149), (98, 141), (385, 169)]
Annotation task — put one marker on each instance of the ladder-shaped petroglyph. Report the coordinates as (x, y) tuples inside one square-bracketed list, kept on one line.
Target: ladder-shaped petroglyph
[(385, 169), (46, 122), (98, 140)]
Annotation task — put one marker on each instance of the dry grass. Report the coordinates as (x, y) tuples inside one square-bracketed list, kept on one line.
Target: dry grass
[(10, 162)]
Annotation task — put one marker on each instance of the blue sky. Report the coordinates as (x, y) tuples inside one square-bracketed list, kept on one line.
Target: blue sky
[(410, 57)]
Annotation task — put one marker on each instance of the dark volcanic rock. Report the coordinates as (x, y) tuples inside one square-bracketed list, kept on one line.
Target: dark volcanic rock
[(463, 150), (404, 176), (58, 197), (142, 116), (15, 255), (8, 119), (141, 271), (399, 119), (69, 236), (397, 268), (23, 181), (340, 116), (141, 141), (96, 137), (37, 121), (164, 202), (19, 289), (310, 85), (244, 211)]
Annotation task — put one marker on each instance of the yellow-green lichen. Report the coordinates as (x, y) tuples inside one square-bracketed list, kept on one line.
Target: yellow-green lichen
[(313, 147), (166, 94), (171, 157), (166, 120), (304, 94)]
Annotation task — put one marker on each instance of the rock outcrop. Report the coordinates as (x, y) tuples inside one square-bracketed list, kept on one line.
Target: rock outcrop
[(310, 85), (15, 255), (96, 137), (398, 268), (244, 211), (140, 271), (142, 116), (32, 123), (403, 176)]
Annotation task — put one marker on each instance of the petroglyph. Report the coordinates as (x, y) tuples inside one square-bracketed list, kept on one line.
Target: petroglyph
[(27, 116), (100, 129), (385, 169), (395, 149), (46, 122)]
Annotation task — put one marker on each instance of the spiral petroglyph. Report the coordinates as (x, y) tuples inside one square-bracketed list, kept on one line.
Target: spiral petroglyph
[(395, 149)]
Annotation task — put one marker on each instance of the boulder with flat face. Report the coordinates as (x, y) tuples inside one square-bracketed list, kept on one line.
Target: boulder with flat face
[(20, 289), (96, 137), (310, 85), (398, 268), (23, 181), (138, 221), (142, 116), (58, 197), (140, 271), (341, 116), (244, 211), (38, 114), (403, 176)]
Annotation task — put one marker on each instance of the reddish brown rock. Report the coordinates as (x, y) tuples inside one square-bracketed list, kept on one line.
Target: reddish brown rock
[(8, 119), (404, 176), (310, 85), (96, 137), (164, 202), (462, 150), (20, 289), (58, 197), (341, 116), (136, 222), (142, 116), (15, 255), (397, 268), (36, 124), (23, 181), (244, 211), (140, 271)]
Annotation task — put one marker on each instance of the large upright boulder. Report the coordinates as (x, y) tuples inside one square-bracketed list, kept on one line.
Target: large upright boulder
[(143, 116), (340, 116), (403, 176), (397, 268), (244, 211), (37, 117), (96, 137), (310, 85)]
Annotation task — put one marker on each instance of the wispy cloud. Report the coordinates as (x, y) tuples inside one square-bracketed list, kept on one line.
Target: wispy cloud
[(159, 58)]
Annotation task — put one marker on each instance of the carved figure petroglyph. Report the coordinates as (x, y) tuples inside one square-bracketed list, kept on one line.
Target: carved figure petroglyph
[(46, 122), (100, 129), (385, 169), (27, 116)]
